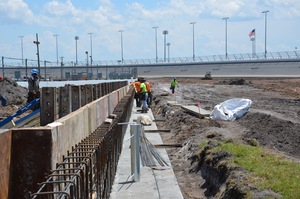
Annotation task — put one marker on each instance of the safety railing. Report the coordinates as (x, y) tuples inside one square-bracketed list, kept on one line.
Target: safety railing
[(88, 170), (31, 63)]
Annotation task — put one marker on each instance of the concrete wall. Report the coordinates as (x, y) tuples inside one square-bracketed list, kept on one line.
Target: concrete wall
[(71, 129), (30, 153)]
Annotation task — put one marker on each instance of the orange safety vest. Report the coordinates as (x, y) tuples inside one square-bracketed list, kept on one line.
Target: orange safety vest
[(137, 86), (148, 87)]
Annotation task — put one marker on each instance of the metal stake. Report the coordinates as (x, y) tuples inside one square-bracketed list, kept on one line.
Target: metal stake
[(135, 155)]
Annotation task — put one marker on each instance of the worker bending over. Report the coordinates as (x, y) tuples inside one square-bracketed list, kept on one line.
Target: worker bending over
[(144, 95), (149, 99)]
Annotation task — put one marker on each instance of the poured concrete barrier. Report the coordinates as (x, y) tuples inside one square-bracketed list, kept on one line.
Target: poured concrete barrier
[(71, 129), (35, 151)]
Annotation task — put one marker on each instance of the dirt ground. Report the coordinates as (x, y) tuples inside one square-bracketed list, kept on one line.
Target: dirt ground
[(273, 120), (15, 95)]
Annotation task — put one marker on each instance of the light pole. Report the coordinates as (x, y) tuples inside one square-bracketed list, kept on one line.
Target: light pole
[(61, 67), (226, 54), (193, 23), (265, 12), (165, 32), (155, 27), (91, 40), (168, 44), (38, 53), (121, 31), (56, 35), (76, 39), (87, 64), (21, 37)]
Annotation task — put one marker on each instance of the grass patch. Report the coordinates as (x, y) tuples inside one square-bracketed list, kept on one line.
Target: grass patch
[(202, 144), (270, 171)]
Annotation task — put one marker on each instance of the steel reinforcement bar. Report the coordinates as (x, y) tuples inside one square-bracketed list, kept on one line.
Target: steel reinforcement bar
[(88, 171)]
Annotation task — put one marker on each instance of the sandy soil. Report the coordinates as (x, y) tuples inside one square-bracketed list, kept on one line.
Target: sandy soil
[(273, 120)]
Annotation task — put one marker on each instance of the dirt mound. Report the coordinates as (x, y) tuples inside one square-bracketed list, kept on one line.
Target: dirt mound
[(273, 132), (235, 82), (15, 95)]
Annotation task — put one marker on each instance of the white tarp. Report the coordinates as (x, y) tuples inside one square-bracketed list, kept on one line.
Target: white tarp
[(231, 109)]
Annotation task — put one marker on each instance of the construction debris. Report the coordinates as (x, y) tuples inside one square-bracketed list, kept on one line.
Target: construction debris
[(144, 119)]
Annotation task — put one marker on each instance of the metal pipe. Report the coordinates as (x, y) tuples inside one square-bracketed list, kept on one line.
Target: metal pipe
[(135, 156)]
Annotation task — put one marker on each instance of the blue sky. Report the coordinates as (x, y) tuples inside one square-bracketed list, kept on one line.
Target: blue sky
[(104, 19)]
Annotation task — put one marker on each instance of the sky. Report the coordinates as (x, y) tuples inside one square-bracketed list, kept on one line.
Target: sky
[(104, 25)]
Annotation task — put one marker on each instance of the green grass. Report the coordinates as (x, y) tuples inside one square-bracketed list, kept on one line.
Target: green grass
[(269, 171)]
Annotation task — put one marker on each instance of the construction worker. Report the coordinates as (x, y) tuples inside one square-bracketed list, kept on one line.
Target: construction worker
[(33, 87), (174, 83), (138, 93), (137, 90), (144, 96), (149, 99)]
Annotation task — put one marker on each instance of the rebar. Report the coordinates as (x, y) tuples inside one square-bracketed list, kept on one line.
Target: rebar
[(89, 169)]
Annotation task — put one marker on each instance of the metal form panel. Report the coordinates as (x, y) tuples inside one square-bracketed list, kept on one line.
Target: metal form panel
[(65, 101), (105, 88), (48, 104), (30, 160), (76, 97), (83, 95), (95, 91), (99, 90), (89, 93)]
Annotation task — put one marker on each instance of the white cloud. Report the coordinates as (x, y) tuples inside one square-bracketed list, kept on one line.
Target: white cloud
[(15, 10), (60, 9), (105, 19), (224, 8)]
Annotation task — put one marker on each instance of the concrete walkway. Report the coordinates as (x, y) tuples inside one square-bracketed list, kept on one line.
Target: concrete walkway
[(155, 183)]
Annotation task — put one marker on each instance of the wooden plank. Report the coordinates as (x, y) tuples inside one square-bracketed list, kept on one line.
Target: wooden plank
[(158, 131), (5, 162), (173, 103), (32, 123), (158, 120), (195, 110), (28, 118), (167, 145)]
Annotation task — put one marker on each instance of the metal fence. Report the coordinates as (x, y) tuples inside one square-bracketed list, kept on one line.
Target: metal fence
[(89, 169), (16, 62)]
